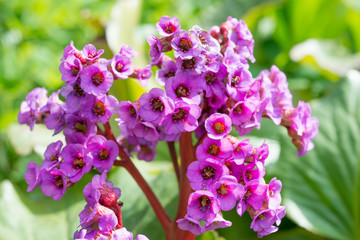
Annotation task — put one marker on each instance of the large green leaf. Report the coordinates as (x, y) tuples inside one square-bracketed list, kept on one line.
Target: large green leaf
[(322, 188)]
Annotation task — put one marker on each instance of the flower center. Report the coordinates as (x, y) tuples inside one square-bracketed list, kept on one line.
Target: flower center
[(54, 157), (119, 66), (169, 28), (59, 182), (204, 201), (132, 111), (75, 71), (203, 39), (78, 163), (99, 108), (104, 154), (222, 190), (210, 78), (271, 193), (235, 81), (184, 45), (182, 91), (180, 115), (157, 104), (169, 74), (239, 109), (188, 63), (219, 127), (208, 172), (78, 90), (98, 78), (81, 126), (213, 150)]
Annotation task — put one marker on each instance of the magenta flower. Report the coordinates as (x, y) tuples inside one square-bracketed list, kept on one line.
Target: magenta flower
[(128, 113), (168, 26), (75, 98), (212, 82), (53, 183), (155, 105), (147, 131), (203, 174), (203, 205), (264, 221), (32, 176), (156, 49), (185, 46), (228, 191), (218, 125), (183, 86), (242, 150), (103, 152), (168, 69), (190, 224), (183, 119), (100, 109), (239, 83), (127, 51), (121, 66), (52, 156), (214, 148), (70, 69), (76, 161), (194, 65), (255, 193), (78, 128), (91, 54), (217, 222), (207, 42), (96, 80)]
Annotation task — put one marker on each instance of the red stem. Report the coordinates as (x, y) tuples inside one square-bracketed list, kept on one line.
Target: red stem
[(174, 160), (126, 162), (187, 155)]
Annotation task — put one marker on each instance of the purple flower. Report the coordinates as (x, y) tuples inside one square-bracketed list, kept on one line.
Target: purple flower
[(122, 234), (30, 110), (76, 161), (78, 128), (100, 109), (168, 69), (95, 79), (91, 214), (147, 152), (107, 224), (147, 131), (190, 224), (75, 97), (214, 148), (103, 152), (56, 118), (168, 26), (91, 54), (155, 105), (183, 86), (52, 156), (32, 176), (239, 83), (53, 183), (228, 191), (203, 205), (205, 39), (143, 74), (70, 69), (183, 119), (261, 153), (242, 112), (194, 65), (185, 46), (217, 222), (251, 171), (102, 191), (218, 125), (156, 49), (263, 222), (242, 150), (127, 51), (203, 174), (128, 113), (121, 66), (273, 193), (212, 82), (255, 193)]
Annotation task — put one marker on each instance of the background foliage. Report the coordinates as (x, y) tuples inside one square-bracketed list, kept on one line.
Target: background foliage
[(315, 42)]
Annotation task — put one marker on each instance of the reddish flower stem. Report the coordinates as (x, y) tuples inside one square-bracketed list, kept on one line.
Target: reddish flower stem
[(174, 159), (126, 162), (187, 155)]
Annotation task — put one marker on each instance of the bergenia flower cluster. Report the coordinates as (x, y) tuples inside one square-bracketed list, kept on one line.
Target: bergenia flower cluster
[(206, 89)]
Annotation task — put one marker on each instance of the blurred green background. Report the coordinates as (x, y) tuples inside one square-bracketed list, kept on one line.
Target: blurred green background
[(315, 42)]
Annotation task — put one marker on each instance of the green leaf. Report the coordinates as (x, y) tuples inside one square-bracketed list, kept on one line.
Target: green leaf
[(322, 188)]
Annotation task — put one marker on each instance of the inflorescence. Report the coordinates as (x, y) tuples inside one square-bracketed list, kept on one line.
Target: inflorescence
[(207, 89)]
